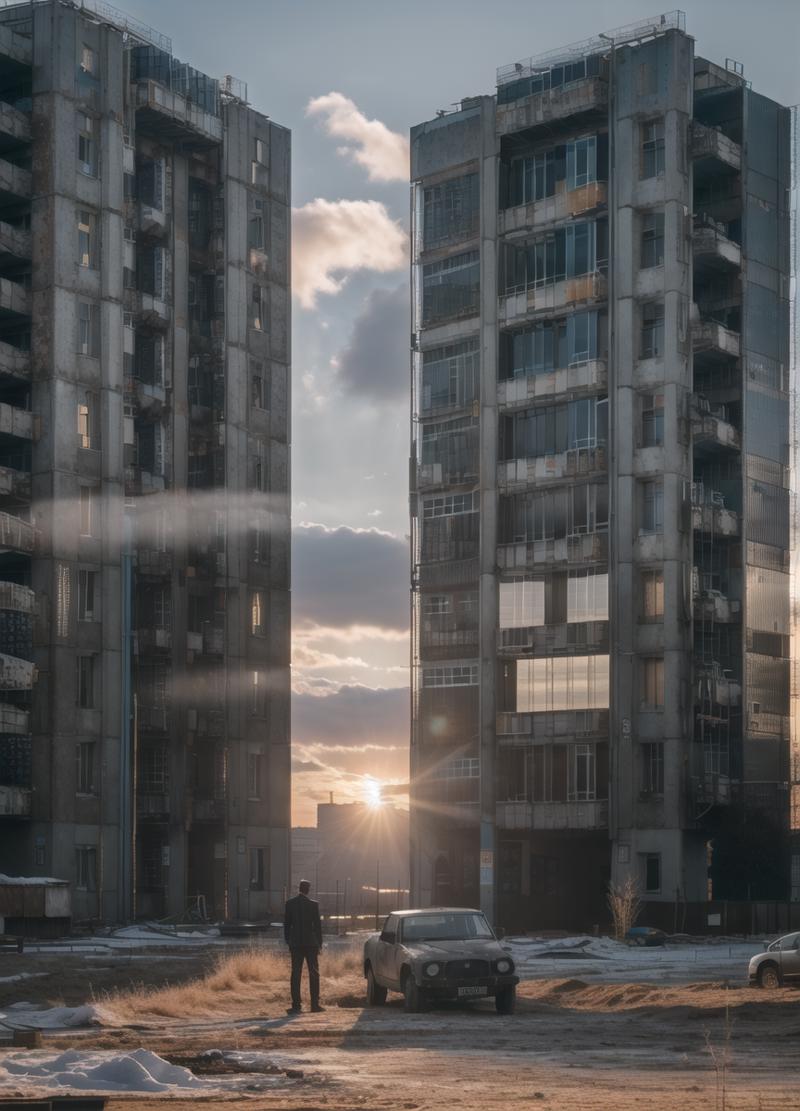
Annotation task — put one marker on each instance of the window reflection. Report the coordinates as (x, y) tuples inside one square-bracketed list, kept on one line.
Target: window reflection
[(562, 683)]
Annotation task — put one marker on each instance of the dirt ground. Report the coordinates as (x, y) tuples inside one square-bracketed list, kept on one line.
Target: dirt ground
[(572, 1044)]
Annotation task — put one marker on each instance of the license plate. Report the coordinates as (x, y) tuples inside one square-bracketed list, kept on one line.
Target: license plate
[(473, 991)]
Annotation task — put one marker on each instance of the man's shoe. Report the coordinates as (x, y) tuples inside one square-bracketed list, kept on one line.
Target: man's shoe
[(294, 1010), (316, 1009)]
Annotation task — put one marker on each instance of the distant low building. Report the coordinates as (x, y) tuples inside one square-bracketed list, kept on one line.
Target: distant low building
[(305, 855), (361, 848)]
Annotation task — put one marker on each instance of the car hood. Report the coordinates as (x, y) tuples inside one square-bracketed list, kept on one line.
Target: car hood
[(445, 950)]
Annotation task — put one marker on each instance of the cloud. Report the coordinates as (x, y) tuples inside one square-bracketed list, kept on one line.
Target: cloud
[(344, 577), (352, 718), (331, 239), (299, 766), (383, 153), (375, 362)]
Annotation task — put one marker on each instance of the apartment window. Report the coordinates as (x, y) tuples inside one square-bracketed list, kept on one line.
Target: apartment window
[(450, 210), (652, 595), (87, 239), (258, 308), (255, 232), (87, 595), (651, 866), (85, 675), (86, 867), (88, 510), (259, 465), (257, 623), (258, 386), (467, 767), (152, 271), (450, 375), (652, 163), (150, 182), (581, 783), (87, 145), (259, 541), (451, 287), (256, 869), (550, 684), (652, 419), (581, 162), (653, 683), (465, 675), (653, 767), (521, 603), (652, 240), (259, 152), (86, 763), (587, 596), (653, 506), (154, 769), (259, 693), (652, 346), (449, 505), (254, 775), (87, 422), (89, 329), (436, 605), (88, 62)]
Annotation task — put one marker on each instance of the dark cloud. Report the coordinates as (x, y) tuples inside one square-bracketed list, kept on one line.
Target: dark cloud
[(352, 718), (344, 576), (375, 363)]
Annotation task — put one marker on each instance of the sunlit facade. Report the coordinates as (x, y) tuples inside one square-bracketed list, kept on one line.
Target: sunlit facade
[(144, 398), (600, 488)]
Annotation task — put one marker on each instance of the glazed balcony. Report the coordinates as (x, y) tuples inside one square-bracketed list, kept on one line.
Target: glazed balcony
[(575, 724), (564, 204), (20, 599), (553, 815), (150, 561), (15, 802), (542, 111), (552, 640), (584, 548), (712, 150), (171, 116), (520, 473), (516, 307), (583, 377), (13, 719)]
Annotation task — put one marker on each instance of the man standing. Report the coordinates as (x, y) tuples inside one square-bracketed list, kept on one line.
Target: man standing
[(302, 930)]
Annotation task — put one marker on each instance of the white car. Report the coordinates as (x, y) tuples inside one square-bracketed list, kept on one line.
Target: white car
[(779, 963)]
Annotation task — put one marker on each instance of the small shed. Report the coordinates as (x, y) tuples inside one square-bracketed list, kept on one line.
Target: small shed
[(34, 906)]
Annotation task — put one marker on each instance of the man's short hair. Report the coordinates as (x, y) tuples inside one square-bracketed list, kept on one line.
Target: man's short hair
[(304, 886)]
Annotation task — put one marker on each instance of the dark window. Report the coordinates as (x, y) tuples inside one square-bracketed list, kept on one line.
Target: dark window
[(256, 869), (652, 240), (652, 163), (652, 330), (653, 768), (652, 419), (652, 872), (450, 210)]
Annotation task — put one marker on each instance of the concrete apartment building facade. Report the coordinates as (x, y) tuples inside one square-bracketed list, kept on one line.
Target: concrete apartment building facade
[(144, 398), (600, 496)]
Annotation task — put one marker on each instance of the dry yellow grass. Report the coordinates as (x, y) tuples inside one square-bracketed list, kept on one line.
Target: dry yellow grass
[(239, 983)]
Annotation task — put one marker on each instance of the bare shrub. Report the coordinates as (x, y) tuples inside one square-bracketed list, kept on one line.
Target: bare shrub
[(625, 906), (721, 1058)]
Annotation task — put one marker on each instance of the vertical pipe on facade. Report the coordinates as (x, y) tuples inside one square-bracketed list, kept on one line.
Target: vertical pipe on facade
[(125, 847)]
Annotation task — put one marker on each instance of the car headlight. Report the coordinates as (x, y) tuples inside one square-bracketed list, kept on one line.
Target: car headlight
[(431, 969), (505, 966)]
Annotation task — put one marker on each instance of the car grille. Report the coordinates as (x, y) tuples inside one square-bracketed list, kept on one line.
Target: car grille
[(467, 970)]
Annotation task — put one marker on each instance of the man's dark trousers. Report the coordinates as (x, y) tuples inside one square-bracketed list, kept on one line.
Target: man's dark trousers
[(309, 954)]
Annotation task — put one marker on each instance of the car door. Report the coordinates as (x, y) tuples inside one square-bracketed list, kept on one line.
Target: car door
[(385, 951), (790, 956)]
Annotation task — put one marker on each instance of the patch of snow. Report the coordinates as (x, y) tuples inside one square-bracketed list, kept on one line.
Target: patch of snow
[(28, 881), (105, 1071), (25, 1016)]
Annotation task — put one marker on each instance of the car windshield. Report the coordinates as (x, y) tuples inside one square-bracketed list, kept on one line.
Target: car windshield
[(446, 927)]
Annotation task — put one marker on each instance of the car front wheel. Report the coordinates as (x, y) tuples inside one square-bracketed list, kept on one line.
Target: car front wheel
[(768, 976), (376, 995), (413, 998), (505, 1000)]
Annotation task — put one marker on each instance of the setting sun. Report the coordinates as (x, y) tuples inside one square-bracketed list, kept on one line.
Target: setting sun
[(373, 793)]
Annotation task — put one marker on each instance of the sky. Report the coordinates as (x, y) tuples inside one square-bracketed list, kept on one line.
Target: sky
[(349, 78)]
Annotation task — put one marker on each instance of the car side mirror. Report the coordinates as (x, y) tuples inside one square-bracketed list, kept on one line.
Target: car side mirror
[(499, 933), (389, 937)]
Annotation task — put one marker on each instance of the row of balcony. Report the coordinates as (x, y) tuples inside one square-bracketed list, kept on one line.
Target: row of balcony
[(155, 807), (158, 638)]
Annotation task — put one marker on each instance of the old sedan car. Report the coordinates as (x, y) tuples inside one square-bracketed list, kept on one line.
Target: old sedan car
[(779, 963), (445, 953)]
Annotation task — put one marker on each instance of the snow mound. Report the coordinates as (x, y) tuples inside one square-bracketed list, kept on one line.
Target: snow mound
[(105, 1071), (25, 1016)]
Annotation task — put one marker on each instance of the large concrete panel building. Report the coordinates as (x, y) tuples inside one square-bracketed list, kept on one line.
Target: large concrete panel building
[(144, 472), (601, 481)]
